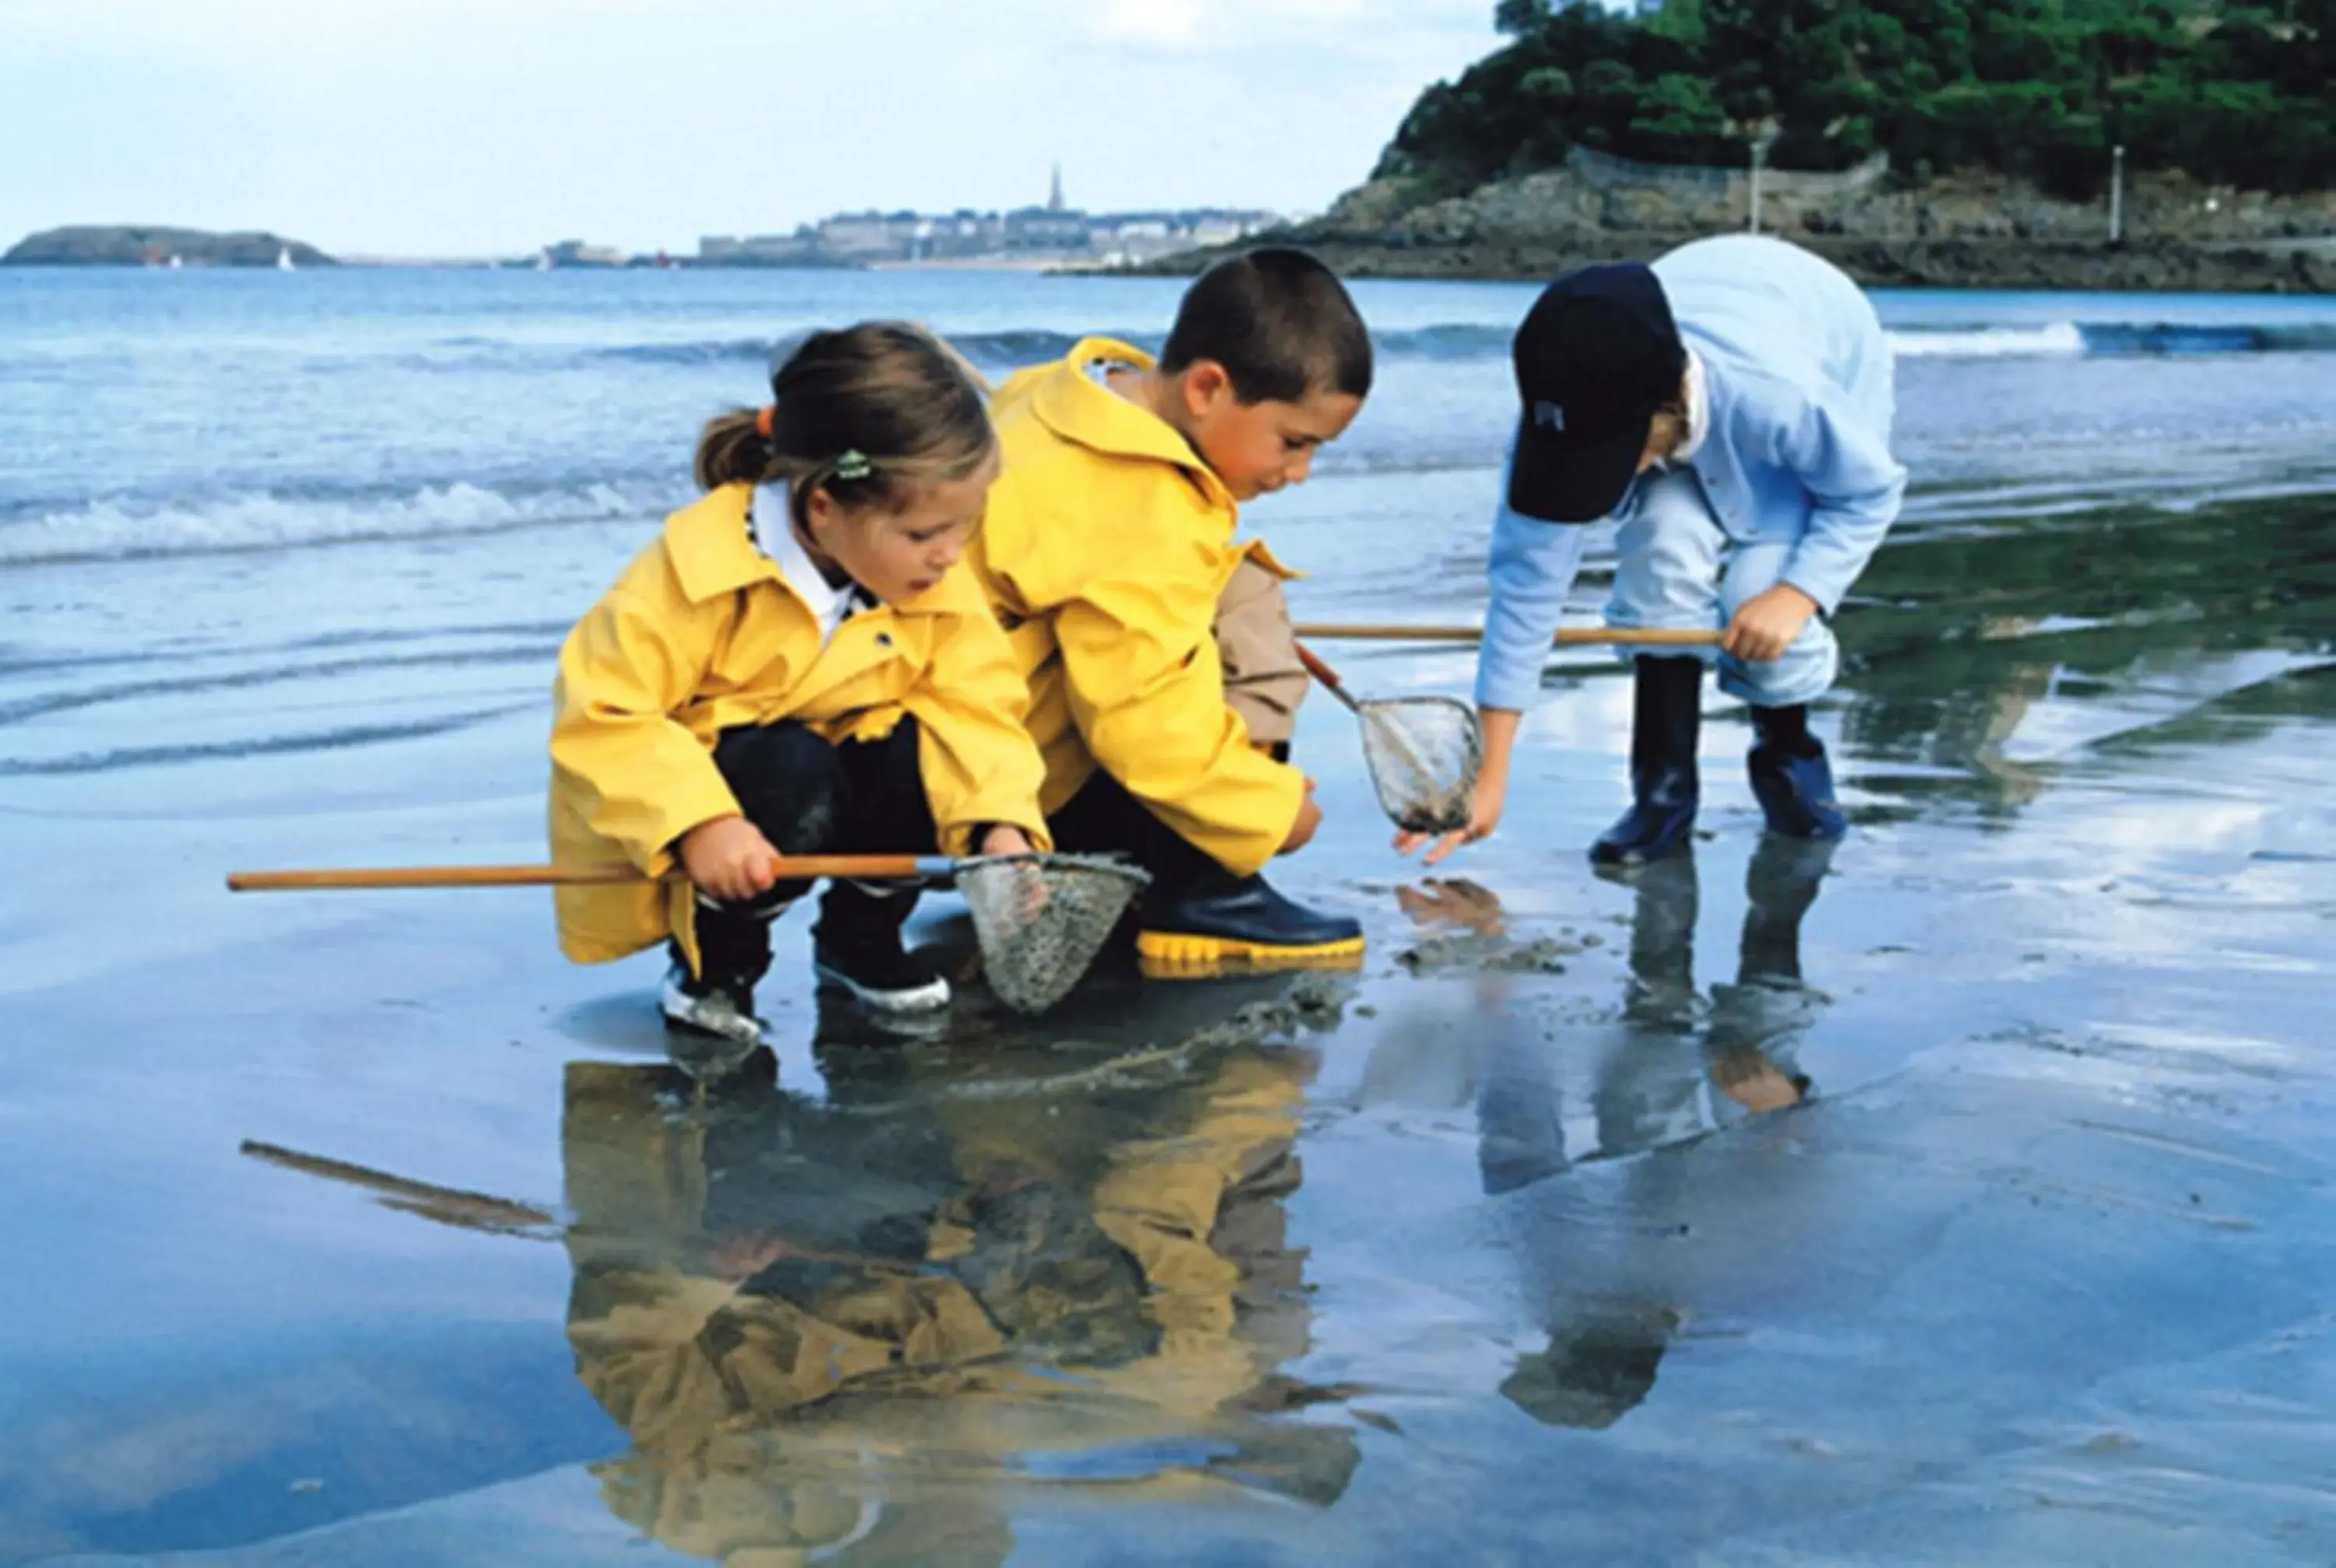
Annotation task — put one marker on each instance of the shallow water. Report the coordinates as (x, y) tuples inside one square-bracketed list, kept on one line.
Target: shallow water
[(1959, 1195)]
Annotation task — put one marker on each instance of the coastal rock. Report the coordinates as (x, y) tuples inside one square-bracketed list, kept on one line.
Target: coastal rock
[(1972, 229), (149, 245), (1375, 204)]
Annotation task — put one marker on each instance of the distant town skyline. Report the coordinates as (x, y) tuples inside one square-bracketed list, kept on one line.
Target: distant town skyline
[(1058, 230), (1055, 229), (439, 128)]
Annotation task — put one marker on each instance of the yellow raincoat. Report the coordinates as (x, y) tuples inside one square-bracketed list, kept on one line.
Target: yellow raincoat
[(702, 633), (1106, 544)]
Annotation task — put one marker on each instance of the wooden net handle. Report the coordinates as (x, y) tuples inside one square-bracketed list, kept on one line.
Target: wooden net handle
[(1569, 636), (871, 868), (1326, 676)]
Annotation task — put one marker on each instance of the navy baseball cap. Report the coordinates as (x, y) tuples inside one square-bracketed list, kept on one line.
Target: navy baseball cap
[(1598, 355)]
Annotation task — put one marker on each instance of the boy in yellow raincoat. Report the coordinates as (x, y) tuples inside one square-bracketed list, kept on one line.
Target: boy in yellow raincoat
[(1164, 676), (797, 666)]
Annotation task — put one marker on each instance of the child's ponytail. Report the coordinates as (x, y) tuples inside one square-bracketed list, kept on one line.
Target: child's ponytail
[(863, 412), (733, 449)]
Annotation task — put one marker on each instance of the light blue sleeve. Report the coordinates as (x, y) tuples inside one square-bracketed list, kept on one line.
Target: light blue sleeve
[(1856, 485), (1532, 565)]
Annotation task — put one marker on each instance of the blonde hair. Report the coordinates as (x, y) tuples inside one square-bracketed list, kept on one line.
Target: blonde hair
[(865, 412)]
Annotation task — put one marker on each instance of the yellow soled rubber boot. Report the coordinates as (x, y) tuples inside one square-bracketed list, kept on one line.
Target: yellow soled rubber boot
[(1224, 924)]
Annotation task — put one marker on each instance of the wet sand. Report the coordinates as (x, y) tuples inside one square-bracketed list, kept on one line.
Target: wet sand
[(1960, 1195)]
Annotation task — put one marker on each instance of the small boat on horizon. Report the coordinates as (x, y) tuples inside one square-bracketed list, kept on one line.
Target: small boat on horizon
[(284, 260)]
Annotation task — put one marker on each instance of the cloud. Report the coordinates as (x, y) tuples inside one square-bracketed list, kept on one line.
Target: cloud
[(1169, 24), (1315, 29), (491, 126)]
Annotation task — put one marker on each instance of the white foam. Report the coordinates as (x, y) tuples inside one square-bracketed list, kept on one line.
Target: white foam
[(2057, 339), (108, 530)]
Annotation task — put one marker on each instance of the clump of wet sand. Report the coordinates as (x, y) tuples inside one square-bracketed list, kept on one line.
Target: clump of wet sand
[(1487, 953), (1312, 1002)]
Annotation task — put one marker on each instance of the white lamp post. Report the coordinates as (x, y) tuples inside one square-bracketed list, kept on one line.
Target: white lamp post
[(2116, 195), (1761, 140)]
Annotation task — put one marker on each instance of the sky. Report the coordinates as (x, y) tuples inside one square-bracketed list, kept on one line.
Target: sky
[(444, 128)]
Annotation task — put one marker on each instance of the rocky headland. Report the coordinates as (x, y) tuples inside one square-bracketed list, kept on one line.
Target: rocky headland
[(153, 245)]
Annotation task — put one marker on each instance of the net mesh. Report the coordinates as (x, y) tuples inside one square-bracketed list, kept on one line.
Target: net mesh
[(1424, 752), (1042, 918)]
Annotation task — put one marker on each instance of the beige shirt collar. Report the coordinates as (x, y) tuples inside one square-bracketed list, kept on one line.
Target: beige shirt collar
[(1698, 409)]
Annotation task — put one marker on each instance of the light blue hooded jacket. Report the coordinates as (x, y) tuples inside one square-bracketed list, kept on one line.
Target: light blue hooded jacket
[(1795, 450)]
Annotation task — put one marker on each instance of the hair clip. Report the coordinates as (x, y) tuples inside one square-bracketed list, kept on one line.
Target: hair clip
[(851, 465)]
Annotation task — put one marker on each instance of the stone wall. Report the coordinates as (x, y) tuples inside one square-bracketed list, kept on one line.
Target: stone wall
[(1607, 171), (1960, 230), (1569, 206)]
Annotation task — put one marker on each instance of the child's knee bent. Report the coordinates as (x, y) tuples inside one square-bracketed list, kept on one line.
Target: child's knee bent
[(1805, 674), (789, 784)]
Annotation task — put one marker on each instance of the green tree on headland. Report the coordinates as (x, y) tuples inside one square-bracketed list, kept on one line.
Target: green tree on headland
[(2234, 93)]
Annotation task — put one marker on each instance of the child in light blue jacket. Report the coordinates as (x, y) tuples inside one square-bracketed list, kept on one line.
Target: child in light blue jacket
[(1729, 408)]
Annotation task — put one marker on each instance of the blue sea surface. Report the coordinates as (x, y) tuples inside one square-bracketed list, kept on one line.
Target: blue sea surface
[(157, 413)]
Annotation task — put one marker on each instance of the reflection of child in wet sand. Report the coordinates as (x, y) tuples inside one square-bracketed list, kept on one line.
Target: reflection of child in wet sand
[(1613, 1318), (1752, 1029), (819, 1325), (1597, 1367), (795, 667), (1163, 676), (1678, 1065)]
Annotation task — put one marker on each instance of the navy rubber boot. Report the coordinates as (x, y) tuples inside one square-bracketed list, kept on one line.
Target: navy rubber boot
[(1218, 921), (1791, 778), (1666, 716)]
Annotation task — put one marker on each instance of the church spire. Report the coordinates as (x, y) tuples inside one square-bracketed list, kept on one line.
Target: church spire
[(1054, 193)]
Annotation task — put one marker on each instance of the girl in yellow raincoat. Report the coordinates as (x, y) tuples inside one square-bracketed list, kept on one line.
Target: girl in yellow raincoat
[(797, 666)]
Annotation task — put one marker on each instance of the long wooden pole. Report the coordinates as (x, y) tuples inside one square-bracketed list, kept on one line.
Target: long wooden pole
[(450, 1205), (1329, 677), (495, 1216), (1569, 636), (871, 868)]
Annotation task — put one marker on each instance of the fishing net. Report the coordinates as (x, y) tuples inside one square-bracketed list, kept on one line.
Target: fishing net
[(1424, 754), (1042, 918)]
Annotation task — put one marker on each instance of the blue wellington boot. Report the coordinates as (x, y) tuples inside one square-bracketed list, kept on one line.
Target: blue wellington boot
[(1790, 777), (1666, 719), (1220, 921)]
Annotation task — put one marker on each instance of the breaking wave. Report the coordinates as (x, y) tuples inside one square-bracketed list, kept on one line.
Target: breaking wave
[(1013, 347), (2114, 340), (126, 530), (1009, 349)]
